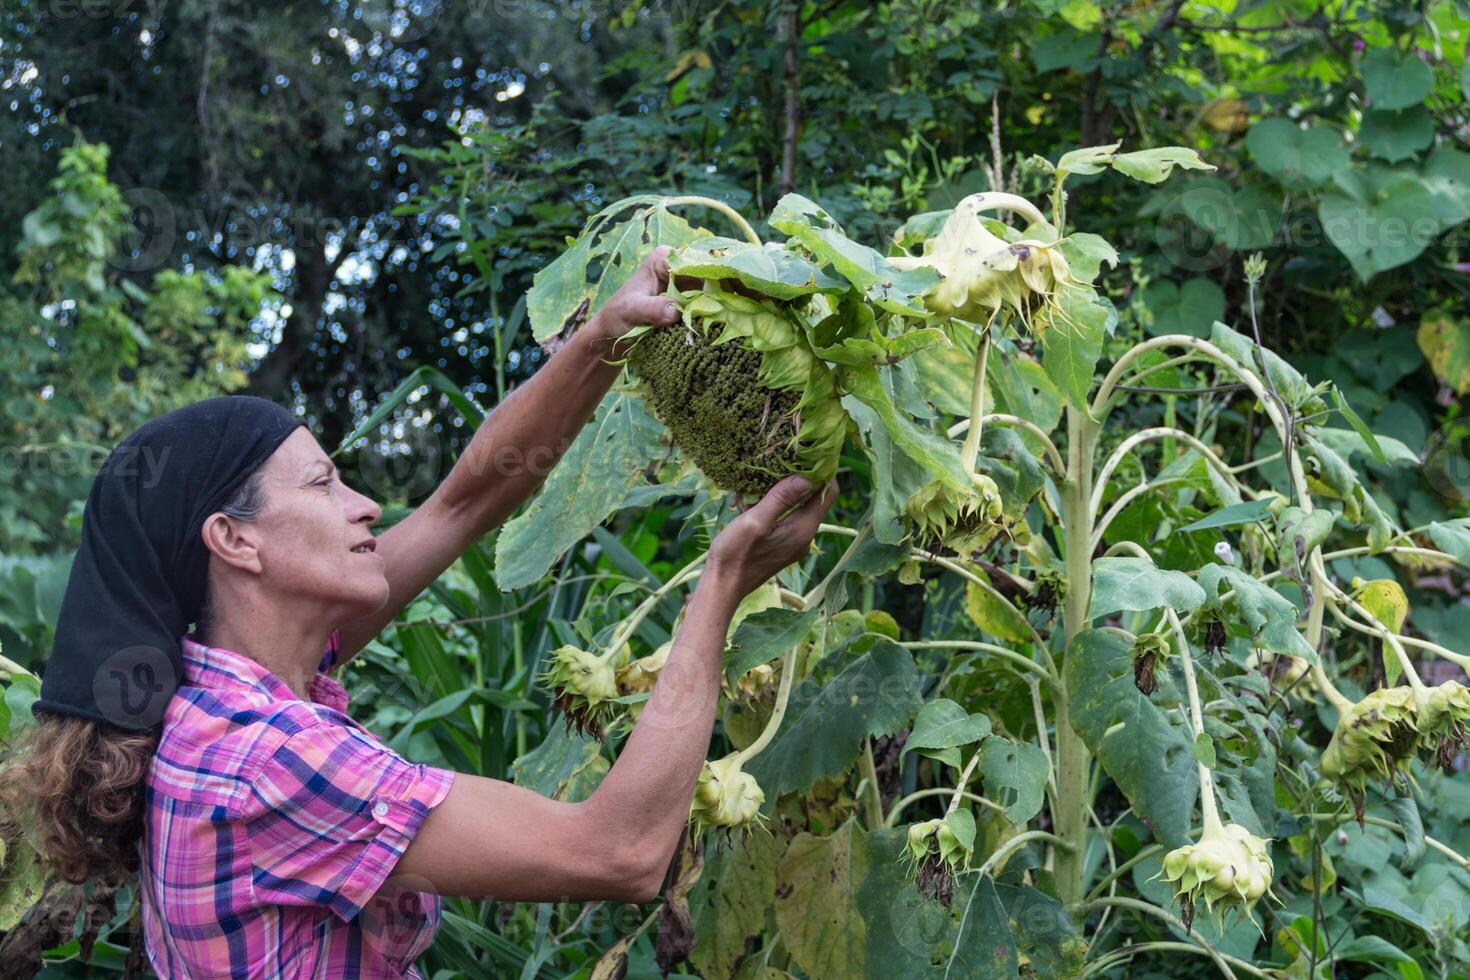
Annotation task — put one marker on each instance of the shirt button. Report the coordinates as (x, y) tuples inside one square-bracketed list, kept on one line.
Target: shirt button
[(380, 809)]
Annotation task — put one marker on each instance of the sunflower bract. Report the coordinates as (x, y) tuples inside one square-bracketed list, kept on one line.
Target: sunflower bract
[(741, 392)]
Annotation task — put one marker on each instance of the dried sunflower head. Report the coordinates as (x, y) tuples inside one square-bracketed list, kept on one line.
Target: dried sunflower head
[(942, 518), (1444, 712), (1229, 867), (726, 796), (937, 849), (1374, 738), (741, 392), (584, 685)]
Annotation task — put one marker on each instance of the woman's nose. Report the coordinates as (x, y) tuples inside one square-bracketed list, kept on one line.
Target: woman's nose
[(363, 509)]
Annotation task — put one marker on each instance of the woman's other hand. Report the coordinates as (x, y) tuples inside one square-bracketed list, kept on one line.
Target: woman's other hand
[(766, 538), (638, 301)]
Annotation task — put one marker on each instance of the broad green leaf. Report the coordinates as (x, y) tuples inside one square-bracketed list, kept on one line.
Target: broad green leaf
[(21, 693), (896, 477), (561, 294), (1015, 776), (1021, 386), (773, 270), (1453, 538), (1239, 219), (21, 883), (1087, 253), (1190, 308), (1145, 750), (1371, 949), (1447, 175), (944, 376), (1137, 584), (565, 766), (892, 289), (766, 635), (876, 694), (1268, 616), (993, 614), (730, 902), (1445, 341), (1071, 339), (1065, 49), (1394, 80), (1384, 231), (817, 911), (1348, 442), (1406, 814), (586, 486), (1155, 165), (1395, 136), (943, 724), (937, 455), (1245, 512), (1301, 531), (1296, 156), (909, 935), (1045, 934)]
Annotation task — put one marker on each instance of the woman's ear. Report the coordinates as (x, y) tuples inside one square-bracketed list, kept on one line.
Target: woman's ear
[(233, 541)]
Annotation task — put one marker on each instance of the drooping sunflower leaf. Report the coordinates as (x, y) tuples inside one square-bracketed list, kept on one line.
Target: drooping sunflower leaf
[(817, 884), (876, 694), (773, 270), (891, 289), (1146, 751), (588, 484), (1122, 584), (1268, 615)]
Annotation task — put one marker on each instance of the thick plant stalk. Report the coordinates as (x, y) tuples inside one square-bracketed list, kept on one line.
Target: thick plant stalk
[(705, 202), (971, 450), (1073, 759)]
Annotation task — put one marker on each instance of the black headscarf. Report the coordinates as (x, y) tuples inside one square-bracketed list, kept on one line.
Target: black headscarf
[(138, 579)]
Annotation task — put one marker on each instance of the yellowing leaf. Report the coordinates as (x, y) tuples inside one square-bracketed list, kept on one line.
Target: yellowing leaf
[(1226, 116), (1445, 342), (993, 614), (1385, 599)]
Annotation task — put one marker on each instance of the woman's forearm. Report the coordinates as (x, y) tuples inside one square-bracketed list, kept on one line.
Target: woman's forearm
[(649, 788), (523, 438)]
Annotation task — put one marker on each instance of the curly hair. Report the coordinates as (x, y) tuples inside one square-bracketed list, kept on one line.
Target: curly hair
[(77, 787)]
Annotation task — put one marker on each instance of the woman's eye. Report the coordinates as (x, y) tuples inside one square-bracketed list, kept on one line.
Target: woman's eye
[(325, 481)]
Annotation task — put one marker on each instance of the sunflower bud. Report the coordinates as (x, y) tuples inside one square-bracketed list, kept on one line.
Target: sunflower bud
[(1229, 867), (1373, 738), (583, 685), (726, 796)]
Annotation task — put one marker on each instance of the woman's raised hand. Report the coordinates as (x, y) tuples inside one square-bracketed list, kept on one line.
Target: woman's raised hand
[(766, 538)]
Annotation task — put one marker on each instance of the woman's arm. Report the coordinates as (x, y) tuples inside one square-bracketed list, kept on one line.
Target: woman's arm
[(491, 839), (512, 452)]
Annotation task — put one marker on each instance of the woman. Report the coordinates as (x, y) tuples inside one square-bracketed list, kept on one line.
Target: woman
[(273, 836)]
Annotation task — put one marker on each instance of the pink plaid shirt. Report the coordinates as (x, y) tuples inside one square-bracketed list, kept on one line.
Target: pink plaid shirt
[(273, 823)]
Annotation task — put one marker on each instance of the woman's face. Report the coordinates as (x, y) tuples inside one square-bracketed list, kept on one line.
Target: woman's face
[(313, 535)]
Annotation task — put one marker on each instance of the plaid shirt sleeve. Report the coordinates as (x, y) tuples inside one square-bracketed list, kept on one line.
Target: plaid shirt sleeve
[(330, 814)]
